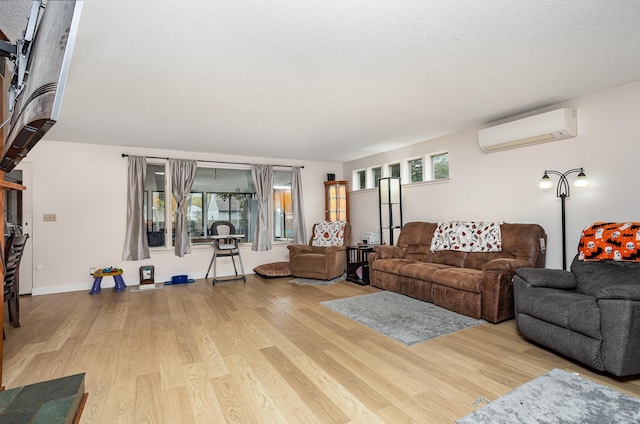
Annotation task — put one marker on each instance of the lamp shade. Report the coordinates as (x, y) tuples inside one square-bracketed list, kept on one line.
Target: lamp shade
[(581, 180), (545, 182)]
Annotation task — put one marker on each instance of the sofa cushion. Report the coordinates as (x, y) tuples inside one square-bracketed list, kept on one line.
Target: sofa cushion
[(416, 233), (422, 270), (449, 257), (477, 260), (392, 266), (465, 279), (593, 276), (417, 252)]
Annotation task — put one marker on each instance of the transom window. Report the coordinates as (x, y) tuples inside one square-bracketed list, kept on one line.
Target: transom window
[(377, 174), (440, 166), (394, 170), (415, 170), (362, 179)]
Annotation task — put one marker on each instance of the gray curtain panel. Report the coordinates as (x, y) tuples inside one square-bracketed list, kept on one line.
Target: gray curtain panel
[(183, 173), (263, 181), (136, 246), (297, 208)]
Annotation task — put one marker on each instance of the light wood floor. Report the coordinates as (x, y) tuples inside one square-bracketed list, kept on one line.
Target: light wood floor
[(261, 352)]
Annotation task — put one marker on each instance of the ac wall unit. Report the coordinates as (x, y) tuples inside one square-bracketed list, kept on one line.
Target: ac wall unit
[(554, 125)]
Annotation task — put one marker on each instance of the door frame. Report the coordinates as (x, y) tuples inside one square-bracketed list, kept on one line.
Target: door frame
[(26, 264)]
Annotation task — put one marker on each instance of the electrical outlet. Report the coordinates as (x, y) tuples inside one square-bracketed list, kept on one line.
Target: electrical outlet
[(49, 217)]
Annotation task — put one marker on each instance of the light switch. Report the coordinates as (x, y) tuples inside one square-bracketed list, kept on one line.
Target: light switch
[(49, 217)]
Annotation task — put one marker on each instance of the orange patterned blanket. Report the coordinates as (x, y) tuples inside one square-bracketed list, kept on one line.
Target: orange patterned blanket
[(618, 241)]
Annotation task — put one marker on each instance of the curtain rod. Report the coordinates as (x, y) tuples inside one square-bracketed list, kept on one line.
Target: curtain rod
[(124, 155)]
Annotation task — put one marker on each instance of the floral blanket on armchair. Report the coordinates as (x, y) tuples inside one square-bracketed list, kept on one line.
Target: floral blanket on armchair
[(328, 233)]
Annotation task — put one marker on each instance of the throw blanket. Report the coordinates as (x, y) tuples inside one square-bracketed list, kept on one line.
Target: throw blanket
[(467, 236), (618, 241), (328, 233)]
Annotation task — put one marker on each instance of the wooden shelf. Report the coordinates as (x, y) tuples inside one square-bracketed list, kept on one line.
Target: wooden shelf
[(11, 186)]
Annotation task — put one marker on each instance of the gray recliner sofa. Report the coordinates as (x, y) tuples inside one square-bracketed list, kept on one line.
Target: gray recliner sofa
[(590, 314)]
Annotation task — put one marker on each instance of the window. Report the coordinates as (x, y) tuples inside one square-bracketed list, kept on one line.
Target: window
[(282, 208), (218, 194), (394, 170), (376, 174), (153, 206), (415, 170), (440, 166), (359, 179), (362, 179)]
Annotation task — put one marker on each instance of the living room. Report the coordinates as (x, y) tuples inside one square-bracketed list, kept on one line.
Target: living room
[(501, 186), (272, 331)]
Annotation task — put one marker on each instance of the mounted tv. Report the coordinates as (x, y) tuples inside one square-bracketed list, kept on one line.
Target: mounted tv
[(41, 64)]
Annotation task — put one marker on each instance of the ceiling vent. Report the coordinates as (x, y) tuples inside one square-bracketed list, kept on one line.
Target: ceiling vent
[(554, 125)]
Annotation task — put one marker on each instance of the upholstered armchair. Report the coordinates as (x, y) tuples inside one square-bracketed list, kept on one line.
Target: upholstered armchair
[(325, 257), (591, 313)]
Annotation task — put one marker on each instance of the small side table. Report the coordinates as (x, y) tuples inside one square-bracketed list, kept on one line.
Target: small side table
[(358, 264)]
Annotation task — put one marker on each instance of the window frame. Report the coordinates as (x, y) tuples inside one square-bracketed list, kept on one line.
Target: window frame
[(432, 167), (391, 166), (410, 174), (359, 179), (169, 217), (372, 181), (285, 194)]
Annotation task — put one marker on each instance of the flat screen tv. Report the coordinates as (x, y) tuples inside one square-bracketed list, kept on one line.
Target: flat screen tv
[(41, 66)]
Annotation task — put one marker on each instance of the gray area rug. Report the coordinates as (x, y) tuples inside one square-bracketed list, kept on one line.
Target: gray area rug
[(400, 317), (559, 397), (314, 282)]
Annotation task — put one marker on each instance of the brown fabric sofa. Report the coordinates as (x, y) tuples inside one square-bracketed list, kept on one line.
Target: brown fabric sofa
[(476, 284), (319, 262)]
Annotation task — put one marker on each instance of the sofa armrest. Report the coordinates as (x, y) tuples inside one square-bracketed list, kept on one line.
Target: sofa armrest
[(620, 331), (297, 249), (621, 291), (386, 251), (550, 278), (333, 249), (505, 264)]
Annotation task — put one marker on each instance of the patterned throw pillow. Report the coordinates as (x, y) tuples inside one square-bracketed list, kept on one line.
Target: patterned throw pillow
[(328, 233), (467, 236), (618, 241)]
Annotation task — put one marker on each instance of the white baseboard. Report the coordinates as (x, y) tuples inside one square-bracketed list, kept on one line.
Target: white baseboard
[(37, 291)]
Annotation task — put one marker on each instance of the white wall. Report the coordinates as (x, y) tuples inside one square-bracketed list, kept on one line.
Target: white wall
[(86, 187), (504, 185)]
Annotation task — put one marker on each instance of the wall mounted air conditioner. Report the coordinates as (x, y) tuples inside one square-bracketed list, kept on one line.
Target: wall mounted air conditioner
[(554, 125)]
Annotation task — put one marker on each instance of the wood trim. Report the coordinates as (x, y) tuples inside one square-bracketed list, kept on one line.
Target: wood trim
[(83, 401), (11, 186)]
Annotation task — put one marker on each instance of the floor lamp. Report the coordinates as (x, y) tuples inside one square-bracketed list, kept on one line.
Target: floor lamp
[(562, 191)]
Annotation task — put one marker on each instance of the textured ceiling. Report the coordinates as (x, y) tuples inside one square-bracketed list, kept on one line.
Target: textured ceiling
[(331, 80)]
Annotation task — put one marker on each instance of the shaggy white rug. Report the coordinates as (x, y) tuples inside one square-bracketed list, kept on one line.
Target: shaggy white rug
[(559, 397)]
